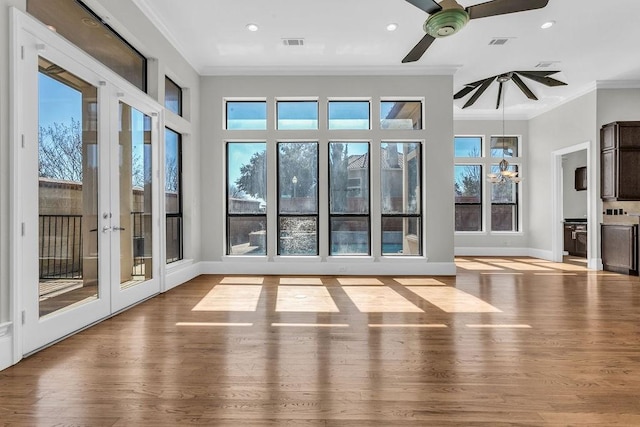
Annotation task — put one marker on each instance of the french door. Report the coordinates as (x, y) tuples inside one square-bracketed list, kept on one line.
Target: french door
[(89, 204)]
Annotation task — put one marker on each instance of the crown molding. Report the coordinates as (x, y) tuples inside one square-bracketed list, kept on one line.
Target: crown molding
[(446, 70)]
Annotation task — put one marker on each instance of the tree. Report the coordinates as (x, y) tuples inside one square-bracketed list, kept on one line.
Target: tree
[(299, 160), (253, 176), (339, 162), (60, 151)]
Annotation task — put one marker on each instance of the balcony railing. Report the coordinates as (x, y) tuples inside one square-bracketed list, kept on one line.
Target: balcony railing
[(60, 246)]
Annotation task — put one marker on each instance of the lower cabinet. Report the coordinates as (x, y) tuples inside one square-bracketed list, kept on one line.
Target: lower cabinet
[(620, 248), (575, 239)]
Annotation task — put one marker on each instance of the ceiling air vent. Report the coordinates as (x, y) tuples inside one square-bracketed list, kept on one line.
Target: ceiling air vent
[(293, 42), (498, 41)]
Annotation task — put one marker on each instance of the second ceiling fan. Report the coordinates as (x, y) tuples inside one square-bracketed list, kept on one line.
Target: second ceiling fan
[(448, 17)]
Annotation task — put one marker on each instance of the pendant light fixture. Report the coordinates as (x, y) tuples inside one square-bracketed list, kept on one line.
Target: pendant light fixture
[(504, 174)]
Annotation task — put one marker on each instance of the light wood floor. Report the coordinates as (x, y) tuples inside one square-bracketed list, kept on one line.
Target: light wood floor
[(509, 341)]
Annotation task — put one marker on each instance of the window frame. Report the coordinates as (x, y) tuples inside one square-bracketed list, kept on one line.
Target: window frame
[(357, 215), (421, 100), (419, 215), (315, 215), (225, 114), (282, 100), (180, 213), (347, 100), (229, 215), (168, 79)]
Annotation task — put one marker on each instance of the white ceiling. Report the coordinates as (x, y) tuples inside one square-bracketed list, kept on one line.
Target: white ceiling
[(592, 41)]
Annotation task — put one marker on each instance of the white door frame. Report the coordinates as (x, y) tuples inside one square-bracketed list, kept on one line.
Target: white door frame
[(28, 34), (557, 236)]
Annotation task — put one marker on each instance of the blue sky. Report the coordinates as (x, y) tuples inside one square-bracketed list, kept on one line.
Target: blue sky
[(58, 102)]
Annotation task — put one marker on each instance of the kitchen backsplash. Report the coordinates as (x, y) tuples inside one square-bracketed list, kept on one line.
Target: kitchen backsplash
[(620, 212)]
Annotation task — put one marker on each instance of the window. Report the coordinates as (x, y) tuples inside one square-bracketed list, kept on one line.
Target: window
[(400, 188), (246, 115), (78, 24), (468, 197), (349, 227), (401, 115), (297, 115), (504, 203), (468, 183), (506, 146), (172, 96), (246, 198), (173, 194), (349, 114), (474, 211), (298, 198)]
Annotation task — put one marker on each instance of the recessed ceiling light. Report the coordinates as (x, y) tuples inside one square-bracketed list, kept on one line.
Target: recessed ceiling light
[(252, 27), (547, 24), (392, 27)]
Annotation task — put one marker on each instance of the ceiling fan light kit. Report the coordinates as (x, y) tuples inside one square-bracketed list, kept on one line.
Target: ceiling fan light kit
[(446, 22), (448, 17)]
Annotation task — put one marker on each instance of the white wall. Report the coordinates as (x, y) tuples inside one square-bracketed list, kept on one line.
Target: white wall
[(574, 203), (569, 124), (616, 105), (497, 243), (438, 134)]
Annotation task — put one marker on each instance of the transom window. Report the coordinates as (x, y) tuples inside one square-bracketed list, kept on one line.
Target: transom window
[(297, 115), (172, 96), (246, 115), (401, 114), (349, 114)]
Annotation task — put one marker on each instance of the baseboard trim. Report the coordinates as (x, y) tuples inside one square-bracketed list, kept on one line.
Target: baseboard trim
[(491, 251), (331, 268), (181, 273), (6, 345)]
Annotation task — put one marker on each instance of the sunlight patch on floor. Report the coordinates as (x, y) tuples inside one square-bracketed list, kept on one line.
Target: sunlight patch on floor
[(453, 300), (420, 281), (472, 265), (314, 299), (520, 266), (301, 281), (230, 298), (372, 299), (232, 280), (357, 281)]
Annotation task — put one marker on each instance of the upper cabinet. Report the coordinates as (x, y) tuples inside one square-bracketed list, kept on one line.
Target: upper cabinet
[(620, 161)]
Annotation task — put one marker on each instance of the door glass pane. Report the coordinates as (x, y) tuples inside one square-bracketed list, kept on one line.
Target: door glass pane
[(68, 189), (135, 226)]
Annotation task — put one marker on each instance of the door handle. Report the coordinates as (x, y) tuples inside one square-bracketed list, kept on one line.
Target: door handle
[(116, 228), (106, 228)]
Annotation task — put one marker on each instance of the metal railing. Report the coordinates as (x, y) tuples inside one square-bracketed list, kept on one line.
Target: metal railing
[(60, 246)]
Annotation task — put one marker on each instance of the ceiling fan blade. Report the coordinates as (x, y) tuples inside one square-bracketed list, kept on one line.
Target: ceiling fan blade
[(419, 49), (479, 92), (463, 92), (501, 7), (499, 95), (548, 81), (429, 6), (523, 87), (468, 88)]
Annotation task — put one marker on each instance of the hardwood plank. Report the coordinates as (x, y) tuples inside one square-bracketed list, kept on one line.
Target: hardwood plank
[(163, 364)]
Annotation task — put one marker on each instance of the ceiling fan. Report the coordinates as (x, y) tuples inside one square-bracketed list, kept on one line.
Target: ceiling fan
[(448, 17), (481, 85)]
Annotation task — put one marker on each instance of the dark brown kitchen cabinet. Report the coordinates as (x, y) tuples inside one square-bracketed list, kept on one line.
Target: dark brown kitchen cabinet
[(620, 161), (575, 239), (580, 181), (619, 247)]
